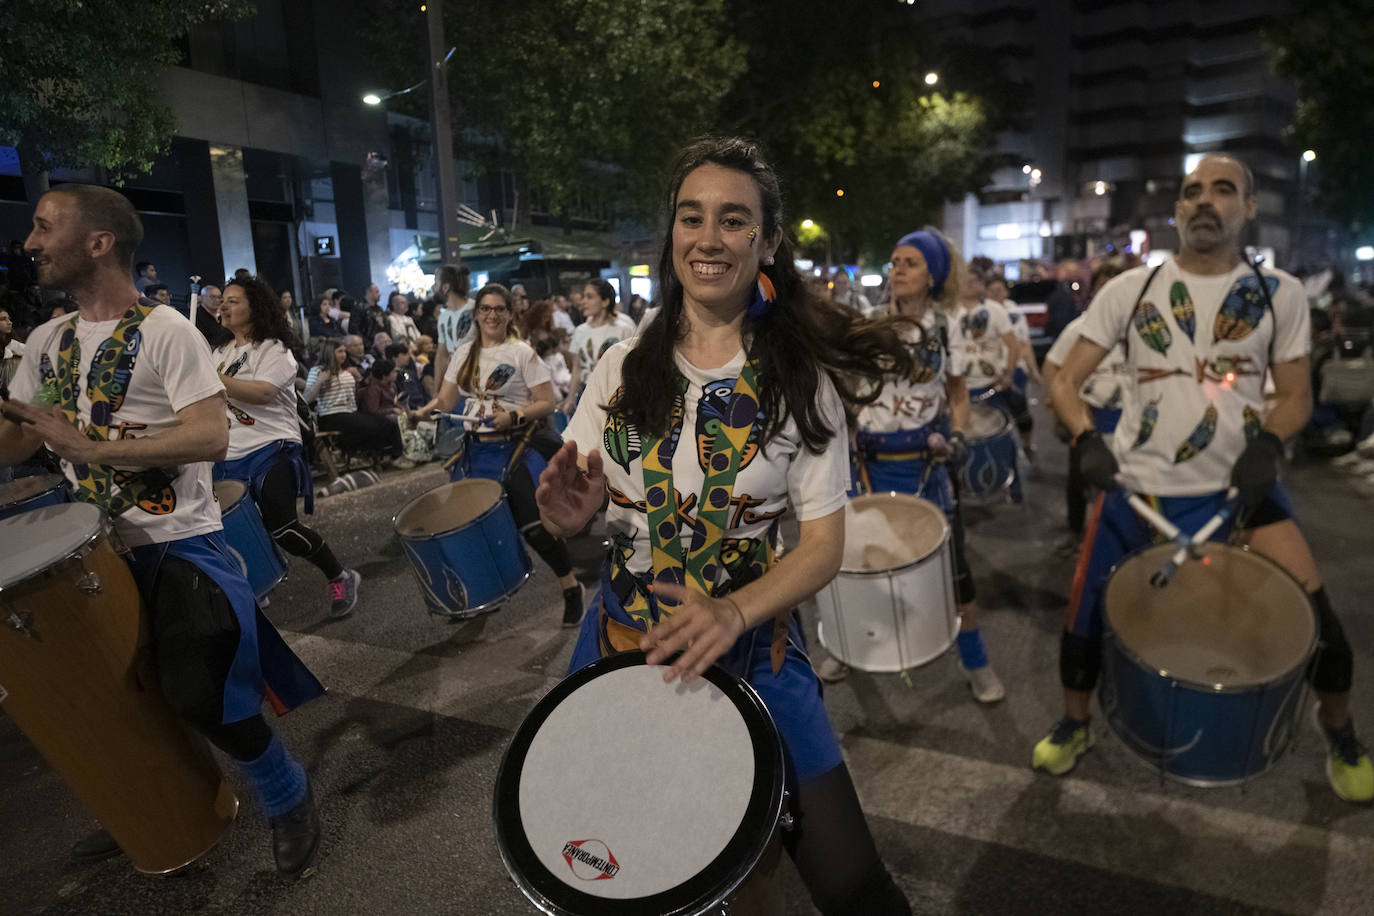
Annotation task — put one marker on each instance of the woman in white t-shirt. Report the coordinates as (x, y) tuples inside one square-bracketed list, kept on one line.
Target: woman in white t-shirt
[(603, 329), (506, 386), (727, 410), (908, 438), (259, 376)]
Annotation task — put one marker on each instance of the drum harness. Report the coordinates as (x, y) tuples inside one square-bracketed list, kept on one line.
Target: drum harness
[(698, 569), (1253, 263), (108, 379)]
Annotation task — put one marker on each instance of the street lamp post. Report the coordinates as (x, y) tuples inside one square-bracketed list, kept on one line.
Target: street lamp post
[(443, 136), (1307, 157)]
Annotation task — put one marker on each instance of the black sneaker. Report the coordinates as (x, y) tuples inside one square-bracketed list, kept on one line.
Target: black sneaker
[(296, 839), (572, 605), (95, 847)]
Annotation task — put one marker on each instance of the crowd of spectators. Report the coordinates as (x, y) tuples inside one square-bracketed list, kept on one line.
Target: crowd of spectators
[(388, 352)]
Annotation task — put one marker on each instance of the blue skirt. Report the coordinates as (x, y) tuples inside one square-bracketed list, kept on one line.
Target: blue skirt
[(264, 667), (253, 468)]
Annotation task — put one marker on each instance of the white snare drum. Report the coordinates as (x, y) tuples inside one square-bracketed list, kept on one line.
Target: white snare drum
[(892, 605), (620, 794)]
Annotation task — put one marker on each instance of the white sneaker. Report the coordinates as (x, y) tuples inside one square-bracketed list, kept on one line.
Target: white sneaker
[(1365, 447), (401, 464), (986, 686), (1362, 467), (832, 670), (1346, 461)]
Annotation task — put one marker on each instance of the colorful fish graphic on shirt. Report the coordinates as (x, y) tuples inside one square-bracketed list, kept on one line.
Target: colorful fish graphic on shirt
[(974, 324), (1149, 416), (928, 358), (711, 407), (1150, 325), (499, 376), (243, 418), (623, 444), (1242, 308), (1199, 439), (1181, 304)]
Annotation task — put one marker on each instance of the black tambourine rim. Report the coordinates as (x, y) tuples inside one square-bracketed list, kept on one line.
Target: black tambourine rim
[(734, 863)]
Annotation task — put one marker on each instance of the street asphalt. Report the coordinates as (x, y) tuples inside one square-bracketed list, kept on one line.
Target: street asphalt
[(404, 751)]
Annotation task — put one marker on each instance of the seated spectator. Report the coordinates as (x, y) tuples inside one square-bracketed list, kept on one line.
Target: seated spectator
[(11, 352), (356, 357), (159, 293), (379, 397), (332, 387), (399, 323), (562, 313), (423, 348), (380, 341), (408, 383), (325, 321)]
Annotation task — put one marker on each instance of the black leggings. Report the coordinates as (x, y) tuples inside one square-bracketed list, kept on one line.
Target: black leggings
[(833, 850), (520, 487), (277, 503), (365, 432), (195, 638)]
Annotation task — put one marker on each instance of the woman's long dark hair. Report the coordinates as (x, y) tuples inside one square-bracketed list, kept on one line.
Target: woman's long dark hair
[(799, 336), (265, 312)]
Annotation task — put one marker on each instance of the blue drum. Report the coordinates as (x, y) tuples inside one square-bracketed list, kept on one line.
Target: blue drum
[(987, 474), (463, 545), (24, 494), (1203, 679), (253, 548)]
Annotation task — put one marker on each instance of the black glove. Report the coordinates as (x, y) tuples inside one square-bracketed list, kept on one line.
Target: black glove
[(1096, 462), (1257, 468), (958, 449)]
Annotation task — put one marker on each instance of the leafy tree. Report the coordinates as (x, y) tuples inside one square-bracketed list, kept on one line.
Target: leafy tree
[(79, 80), (1327, 48), (576, 97), (898, 150)]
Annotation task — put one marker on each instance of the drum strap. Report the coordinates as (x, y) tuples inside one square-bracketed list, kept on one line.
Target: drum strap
[(107, 382), (699, 567)]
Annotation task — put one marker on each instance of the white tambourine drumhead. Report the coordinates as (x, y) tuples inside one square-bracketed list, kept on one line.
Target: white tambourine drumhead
[(620, 794), (36, 540)]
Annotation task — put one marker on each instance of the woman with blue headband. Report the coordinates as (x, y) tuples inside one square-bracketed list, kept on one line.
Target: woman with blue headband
[(908, 438)]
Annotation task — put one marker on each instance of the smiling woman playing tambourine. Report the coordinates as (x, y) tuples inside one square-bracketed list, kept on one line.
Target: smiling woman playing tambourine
[(729, 408)]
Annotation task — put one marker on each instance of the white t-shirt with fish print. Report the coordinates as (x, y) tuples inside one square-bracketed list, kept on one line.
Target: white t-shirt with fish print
[(1198, 348), (508, 374)]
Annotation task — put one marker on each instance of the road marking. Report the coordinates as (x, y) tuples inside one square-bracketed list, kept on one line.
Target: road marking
[(1231, 854)]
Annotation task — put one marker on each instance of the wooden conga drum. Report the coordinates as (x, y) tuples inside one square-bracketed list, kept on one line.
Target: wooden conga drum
[(72, 677)]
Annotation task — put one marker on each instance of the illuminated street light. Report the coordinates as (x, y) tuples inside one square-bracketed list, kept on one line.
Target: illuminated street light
[(372, 98), (839, 192), (1364, 253), (877, 83), (808, 224), (932, 78), (1309, 155), (1100, 188), (1026, 169)]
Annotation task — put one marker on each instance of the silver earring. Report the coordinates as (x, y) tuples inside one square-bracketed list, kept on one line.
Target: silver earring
[(768, 261)]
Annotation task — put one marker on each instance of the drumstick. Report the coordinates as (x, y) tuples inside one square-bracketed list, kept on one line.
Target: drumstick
[(1147, 512), (1189, 545)]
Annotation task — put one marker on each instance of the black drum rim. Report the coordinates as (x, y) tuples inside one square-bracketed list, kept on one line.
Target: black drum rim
[(725, 873)]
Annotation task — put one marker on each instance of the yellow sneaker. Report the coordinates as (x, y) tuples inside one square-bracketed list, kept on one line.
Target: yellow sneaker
[(1058, 751), (1347, 765)]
